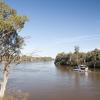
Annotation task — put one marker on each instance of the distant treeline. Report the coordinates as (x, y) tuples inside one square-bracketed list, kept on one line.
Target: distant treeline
[(31, 58), (91, 59), (25, 58)]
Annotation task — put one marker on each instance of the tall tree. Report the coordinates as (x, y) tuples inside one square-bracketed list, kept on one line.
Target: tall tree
[(10, 41), (76, 48)]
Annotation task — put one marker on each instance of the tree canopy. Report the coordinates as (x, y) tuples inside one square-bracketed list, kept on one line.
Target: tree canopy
[(10, 24), (72, 59), (10, 40)]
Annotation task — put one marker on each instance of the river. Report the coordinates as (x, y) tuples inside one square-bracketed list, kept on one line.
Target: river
[(44, 81)]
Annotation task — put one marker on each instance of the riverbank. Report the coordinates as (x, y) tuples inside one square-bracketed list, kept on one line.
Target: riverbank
[(91, 59)]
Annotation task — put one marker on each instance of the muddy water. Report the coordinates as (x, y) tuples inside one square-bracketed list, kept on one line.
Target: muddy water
[(44, 81)]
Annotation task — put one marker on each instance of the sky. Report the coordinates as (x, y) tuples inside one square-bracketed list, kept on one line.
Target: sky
[(56, 26)]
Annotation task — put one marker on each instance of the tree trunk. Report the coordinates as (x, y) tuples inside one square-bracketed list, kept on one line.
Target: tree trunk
[(4, 81)]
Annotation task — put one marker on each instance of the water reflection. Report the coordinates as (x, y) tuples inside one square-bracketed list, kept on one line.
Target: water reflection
[(44, 81), (86, 74), (16, 95)]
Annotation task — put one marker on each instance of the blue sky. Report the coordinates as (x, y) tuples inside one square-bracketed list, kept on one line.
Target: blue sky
[(58, 25)]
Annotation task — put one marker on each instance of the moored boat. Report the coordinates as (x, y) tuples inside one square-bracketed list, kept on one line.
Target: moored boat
[(81, 68)]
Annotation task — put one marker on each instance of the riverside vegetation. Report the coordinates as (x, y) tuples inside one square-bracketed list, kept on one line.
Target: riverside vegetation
[(91, 59), (24, 58)]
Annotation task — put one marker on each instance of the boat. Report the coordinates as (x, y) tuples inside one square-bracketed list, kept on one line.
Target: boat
[(81, 68)]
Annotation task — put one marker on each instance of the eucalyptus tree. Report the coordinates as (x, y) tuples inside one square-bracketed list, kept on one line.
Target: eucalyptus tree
[(76, 51), (10, 40), (93, 58)]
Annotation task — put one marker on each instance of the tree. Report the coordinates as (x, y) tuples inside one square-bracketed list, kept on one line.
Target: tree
[(76, 48), (91, 59), (10, 41), (77, 52)]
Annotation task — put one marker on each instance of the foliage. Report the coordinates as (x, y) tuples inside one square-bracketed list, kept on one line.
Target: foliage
[(25, 58), (10, 41), (91, 58), (10, 24)]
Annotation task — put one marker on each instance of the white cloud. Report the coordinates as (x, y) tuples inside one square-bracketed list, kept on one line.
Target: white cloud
[(78, 39)]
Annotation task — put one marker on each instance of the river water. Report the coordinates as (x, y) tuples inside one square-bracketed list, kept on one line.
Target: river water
[(44, 81)]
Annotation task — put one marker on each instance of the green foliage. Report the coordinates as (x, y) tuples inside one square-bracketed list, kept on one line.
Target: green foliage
[(33, 59), (72, 59), (76, 49), (61, 58), (10, 24)]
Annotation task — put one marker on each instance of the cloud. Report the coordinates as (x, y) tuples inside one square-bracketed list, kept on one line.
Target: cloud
[(78, 39)]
